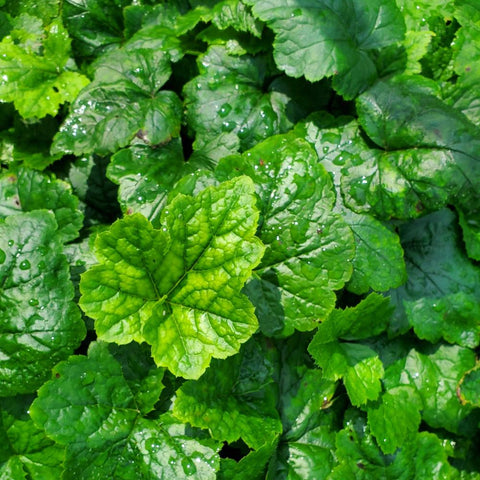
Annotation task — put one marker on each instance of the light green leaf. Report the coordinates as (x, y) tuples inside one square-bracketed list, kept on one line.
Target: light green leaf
[(25, 190), (90, 407), (178, 288), (468, 390), (234, 399), (121, 104), (25, 450), (427, 155), (378, 261), (367, 319), (471, 233), (435, 371), (237, 15), (394, 419), (326, 38), (441, 296), (40, 325), (38, 83), (357, 365), (309, 248)]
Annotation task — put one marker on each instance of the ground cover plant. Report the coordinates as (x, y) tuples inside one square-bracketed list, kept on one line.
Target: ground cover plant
[(239, 239)]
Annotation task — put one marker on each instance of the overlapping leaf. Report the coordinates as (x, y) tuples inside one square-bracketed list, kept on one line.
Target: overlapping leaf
[(27, 190), (441, 296), (309, 248), (39, 76), (123, 102), (90, 407), (40, 325), (326, 38), (178, 288)]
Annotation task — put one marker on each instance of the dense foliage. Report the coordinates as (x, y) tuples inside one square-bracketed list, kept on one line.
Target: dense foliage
[(239, 239)]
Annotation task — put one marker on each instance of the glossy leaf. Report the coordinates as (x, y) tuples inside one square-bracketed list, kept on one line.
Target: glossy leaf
[(25, 451), (27, 190), (441, 296), (39, 80), (234, 399), (178, 288), (89, 406), (378, 261), (468, 390), (327, 38), (121, 104), (309, 248), (40, 325), (357, 365)]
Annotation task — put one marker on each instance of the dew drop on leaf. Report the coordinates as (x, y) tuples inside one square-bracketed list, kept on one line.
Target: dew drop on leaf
[(33, 302), (224, 110), (24, 265), (11, 243), (188, 467)]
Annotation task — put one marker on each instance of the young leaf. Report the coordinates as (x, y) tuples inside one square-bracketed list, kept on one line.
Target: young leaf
[(178, 288), (358, 365), (121, 103), (40, 325), (89, 406), (309, 248), (326, 38), (441, 296), (25, 451), (27, 190), (39, 80), (234, 399)]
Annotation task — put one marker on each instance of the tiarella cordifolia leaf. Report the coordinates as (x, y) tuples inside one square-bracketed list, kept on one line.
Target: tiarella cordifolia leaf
[(40, 325), (27, 190), (39, 77), (25, 450), (309, 248), (328, 38), (89, 406), (121, 104), (468, 390), (441, 296), (178, 288), (378, 261)]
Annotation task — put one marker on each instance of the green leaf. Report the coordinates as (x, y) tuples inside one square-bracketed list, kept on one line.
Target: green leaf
[(468, 390), (145, 177), (229, 96), (394, 419), (234, 399), (367, 319), (326, 38), (94, 25), (428, 153), (441, 296), (89, 406), (357, 365), (25, 190), (25, 450), (309, 248), (235, 14), (178, 288), (435, 371), (471, 233), (40, 325), (121, 104), (378, 261), (38, 83)]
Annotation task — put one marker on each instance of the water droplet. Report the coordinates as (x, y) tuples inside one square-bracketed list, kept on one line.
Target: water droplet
[(42, 265), (33, 302), (140, 199), (188, 467), (172, 461), (24, 265), (2, 256), (326, 149), (225, 109), (42, 250), (11, 243)]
